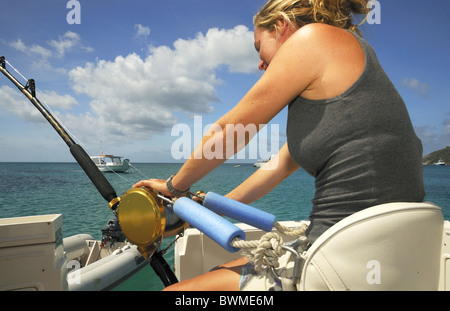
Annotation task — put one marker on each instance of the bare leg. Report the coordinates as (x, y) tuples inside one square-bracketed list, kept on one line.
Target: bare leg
[(223, 278)]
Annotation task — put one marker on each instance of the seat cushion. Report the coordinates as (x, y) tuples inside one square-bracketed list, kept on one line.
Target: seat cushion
[(393, 246)]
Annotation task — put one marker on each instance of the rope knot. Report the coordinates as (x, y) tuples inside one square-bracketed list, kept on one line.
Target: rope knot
[(268, 251), (268, 248)]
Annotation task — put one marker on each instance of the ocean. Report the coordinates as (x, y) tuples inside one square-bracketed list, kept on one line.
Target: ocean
[(63, 188)]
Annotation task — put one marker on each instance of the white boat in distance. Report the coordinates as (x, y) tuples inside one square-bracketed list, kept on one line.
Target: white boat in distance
[(260, 163), (111, 163), (439, 163)]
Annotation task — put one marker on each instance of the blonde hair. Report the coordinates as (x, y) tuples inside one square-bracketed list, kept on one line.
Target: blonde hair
[(298, 13)]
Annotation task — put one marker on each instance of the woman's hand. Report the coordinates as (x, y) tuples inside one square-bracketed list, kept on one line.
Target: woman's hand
[(156, 184)]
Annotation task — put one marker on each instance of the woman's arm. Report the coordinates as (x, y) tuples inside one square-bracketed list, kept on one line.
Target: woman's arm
[(265, 178), (291, 71)]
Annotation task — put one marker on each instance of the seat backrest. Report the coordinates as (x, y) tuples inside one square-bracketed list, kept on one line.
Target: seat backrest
[(393, 246)]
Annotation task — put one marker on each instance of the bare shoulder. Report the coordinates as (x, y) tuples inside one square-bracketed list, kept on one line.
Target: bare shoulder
[(337, 56), (323, 35), (324, 44)]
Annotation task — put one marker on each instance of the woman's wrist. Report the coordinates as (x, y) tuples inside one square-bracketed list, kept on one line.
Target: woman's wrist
[(173, 190)]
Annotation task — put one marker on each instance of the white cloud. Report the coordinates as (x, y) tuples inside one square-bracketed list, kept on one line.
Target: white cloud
[(67, 43), (13, 102), (38, 50), (54, 100), (57, 48), (133, 97), (423, 89), (142, 31)]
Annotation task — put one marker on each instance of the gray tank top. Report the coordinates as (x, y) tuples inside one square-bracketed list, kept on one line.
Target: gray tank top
[(360, 147)]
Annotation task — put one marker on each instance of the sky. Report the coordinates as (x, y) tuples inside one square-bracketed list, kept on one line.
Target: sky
[(135, 78)]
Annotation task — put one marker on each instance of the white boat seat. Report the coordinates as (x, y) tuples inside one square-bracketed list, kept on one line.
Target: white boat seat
[(395, 246)]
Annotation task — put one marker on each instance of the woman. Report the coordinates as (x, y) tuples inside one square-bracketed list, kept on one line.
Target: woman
[(347, 125)]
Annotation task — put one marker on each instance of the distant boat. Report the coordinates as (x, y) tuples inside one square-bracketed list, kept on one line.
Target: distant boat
[(111, 163), (439, 163), (260, 163)]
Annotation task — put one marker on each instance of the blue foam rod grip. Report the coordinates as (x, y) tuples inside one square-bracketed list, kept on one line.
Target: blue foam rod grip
[(214, 226), (239, 211)]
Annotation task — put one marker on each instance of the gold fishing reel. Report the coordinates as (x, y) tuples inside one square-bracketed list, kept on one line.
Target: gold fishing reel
[(142, 217)]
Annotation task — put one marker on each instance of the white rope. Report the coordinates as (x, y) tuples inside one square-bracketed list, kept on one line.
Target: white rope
[(266, 251)]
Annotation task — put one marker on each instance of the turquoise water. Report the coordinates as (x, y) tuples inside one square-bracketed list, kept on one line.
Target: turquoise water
[(63, 188)]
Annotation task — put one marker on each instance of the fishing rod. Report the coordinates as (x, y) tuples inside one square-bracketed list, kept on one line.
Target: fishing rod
[(134, 204)]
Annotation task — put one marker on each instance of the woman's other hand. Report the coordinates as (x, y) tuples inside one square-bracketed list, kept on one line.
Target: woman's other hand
[(156, 184)]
